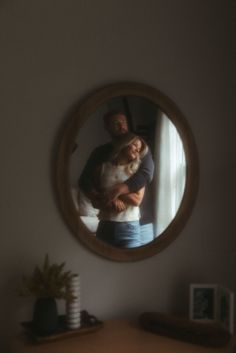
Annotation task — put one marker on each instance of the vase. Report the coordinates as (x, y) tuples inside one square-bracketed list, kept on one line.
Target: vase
[(45, 316), (73, 307)]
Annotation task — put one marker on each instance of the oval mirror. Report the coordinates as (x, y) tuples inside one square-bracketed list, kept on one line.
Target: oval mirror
[(127, 193)]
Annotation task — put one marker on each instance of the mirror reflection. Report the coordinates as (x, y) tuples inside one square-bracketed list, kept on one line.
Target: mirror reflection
[(127, 172)]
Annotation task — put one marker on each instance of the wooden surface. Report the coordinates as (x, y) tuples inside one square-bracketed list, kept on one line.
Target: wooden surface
[(118, 336)]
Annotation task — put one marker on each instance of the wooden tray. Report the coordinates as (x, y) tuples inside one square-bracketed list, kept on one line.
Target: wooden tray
[(89, 323)]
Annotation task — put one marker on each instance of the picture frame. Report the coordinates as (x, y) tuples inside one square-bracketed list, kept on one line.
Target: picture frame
[(203, 302), (212, 303)]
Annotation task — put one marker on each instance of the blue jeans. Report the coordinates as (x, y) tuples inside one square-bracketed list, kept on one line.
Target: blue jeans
[(119, 234), (146, 233)]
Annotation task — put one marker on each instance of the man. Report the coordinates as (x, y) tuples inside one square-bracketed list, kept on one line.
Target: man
[(117, 126)]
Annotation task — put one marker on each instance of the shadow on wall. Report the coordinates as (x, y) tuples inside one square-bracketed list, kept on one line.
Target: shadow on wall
[(55, 148), (179, 303), (14, 308)]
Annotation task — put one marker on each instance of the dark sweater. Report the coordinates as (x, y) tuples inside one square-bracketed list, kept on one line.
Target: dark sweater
[(101, 154)]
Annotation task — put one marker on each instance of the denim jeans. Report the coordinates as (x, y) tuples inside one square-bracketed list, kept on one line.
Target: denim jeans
[(119, 234), (146, 233)]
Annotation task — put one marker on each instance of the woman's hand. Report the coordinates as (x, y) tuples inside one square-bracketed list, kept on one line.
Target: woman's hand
[(118, 205)]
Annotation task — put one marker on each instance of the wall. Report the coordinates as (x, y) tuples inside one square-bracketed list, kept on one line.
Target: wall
[(55, 53)]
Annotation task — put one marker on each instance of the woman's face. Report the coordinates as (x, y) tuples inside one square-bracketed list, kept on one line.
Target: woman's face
[(133, 149)]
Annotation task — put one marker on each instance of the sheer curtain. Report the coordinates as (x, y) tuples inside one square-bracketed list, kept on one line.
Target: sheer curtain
[(170, 172)]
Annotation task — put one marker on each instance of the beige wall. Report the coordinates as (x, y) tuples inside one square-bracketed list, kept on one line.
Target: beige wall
[(55, 52)]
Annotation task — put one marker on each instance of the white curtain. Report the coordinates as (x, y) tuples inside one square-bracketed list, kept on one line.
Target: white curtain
[(170, 173)]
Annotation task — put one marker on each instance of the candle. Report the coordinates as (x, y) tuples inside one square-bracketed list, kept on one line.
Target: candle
[(73, 307)]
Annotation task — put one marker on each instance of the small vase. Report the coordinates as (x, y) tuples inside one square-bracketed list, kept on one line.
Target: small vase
[(45, 316), (73, 307)]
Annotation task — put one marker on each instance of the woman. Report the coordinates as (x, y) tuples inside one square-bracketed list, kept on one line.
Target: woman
[(119, 221)]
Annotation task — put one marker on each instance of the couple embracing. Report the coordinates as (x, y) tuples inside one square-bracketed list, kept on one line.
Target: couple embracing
[(114, 179)]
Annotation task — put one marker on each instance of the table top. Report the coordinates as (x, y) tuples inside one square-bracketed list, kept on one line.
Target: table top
[(117, 336)]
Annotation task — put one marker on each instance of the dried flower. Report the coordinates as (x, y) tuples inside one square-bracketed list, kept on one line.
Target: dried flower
[(48, 281)]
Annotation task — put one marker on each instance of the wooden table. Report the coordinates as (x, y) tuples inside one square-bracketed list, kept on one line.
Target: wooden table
[(117, 336)]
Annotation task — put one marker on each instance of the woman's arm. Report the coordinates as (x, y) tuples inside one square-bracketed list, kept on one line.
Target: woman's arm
[(133, 198)]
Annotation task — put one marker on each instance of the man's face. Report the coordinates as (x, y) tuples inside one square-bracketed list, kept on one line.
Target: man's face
[(117, 125)]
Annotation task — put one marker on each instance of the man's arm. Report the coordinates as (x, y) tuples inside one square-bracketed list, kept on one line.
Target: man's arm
[(133, 198), (88, 177), (144, 174), (141, 178)]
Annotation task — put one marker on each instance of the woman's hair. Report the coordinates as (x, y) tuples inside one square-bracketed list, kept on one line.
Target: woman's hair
[(124, 142)]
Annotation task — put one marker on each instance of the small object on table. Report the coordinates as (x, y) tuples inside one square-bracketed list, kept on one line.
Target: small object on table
[(206, 334), (73, 306), (89, 323)]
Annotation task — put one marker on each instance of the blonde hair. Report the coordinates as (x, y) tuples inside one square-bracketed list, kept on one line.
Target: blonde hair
[(124, 142)]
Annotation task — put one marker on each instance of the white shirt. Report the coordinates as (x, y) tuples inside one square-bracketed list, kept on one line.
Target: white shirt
[(111, 175)]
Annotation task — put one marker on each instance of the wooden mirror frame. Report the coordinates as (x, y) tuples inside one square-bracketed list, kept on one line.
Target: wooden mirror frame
[(85, 109)]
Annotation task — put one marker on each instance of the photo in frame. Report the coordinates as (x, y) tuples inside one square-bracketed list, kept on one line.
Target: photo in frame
[(211, 303), (203, 302)]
